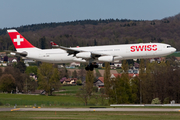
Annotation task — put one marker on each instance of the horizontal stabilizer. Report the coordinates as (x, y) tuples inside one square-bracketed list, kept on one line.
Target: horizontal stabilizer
[(23, 54)]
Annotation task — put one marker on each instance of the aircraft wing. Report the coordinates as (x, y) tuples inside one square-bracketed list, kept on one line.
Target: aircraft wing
[(70, 50), (75, 51)]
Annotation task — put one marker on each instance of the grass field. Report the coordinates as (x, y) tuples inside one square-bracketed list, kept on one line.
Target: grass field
[(39, 100), (176, 54), (68, 90), (17, 115), (63, 98)]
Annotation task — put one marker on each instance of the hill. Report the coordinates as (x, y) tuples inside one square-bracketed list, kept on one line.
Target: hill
[(99, 32)]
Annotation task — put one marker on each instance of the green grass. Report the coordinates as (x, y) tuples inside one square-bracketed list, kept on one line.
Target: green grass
[(119, 70), (68, 90), (98, 73), (72, 88), (17, 115), (176, 54), (65, 98), (39, 100), (42, 100)]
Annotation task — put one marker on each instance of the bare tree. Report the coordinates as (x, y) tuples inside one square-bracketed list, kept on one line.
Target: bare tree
[(83, 95), (86, 90)]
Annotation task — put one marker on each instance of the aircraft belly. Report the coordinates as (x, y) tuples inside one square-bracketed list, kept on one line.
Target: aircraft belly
[(54, 58), (62, 58)]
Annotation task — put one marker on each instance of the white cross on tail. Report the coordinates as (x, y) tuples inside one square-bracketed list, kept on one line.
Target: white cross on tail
[(18, 40)]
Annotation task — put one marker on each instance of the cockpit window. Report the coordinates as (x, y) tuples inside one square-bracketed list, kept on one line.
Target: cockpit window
[(168, 46)]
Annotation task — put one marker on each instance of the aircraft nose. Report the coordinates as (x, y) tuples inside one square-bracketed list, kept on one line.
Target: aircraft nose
[(173, 50)]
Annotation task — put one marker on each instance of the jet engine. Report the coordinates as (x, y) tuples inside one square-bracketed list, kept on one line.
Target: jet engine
[(84, 55), (79, 60), (106, 58)]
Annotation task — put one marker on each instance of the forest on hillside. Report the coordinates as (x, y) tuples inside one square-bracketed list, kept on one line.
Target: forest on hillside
[(98, 32)]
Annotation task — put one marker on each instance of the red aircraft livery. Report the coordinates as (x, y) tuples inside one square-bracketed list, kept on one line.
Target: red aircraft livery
[(144, 48)]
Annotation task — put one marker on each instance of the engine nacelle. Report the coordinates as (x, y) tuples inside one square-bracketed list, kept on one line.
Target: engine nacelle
[(79, 60), (106, 59), (85, 55), (118, 58)]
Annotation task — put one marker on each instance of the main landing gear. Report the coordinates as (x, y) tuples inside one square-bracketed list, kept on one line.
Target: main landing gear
[(91, 67)]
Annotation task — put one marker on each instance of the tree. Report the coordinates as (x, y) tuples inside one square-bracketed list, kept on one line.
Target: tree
[(79, 82), (18, 76), (107, 84), (74, 74), (122, 90), (7, 83), (48, 78), (156, 101), (125, 66), (83, 95), (127, 41), (142, 81), (43, 42), (30, 84), (31, 69), (89, 82), (64, 72), (82, 72), (6, 59), (11, 48), (21, 66), (1, 72), (160, 80), (95, 42), (97, 73), (86, 90), (135, 89), (140, 41)]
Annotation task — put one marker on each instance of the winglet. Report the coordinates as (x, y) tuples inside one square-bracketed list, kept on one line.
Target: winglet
[(18, 40)]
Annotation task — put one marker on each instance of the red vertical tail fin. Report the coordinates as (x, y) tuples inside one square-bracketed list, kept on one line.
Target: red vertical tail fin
[(18, 40), (53, 44)]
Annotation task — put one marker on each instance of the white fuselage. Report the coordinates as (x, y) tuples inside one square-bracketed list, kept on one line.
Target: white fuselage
[(119, 52)]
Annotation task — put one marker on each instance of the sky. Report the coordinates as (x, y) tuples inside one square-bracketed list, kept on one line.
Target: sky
[(15, 13)]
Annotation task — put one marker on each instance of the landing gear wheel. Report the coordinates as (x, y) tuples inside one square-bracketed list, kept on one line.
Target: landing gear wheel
[(91, 67), (95, 66), (87, 68)]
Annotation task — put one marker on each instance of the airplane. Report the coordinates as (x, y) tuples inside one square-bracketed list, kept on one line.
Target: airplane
[(91, 55)]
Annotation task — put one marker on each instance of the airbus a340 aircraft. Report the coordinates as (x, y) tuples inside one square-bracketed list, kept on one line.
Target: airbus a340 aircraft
[(93, 54)]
